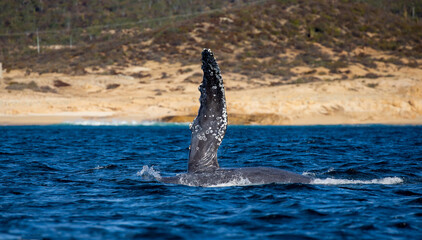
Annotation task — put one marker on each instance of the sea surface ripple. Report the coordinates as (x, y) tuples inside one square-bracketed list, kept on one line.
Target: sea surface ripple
[(89, 182)]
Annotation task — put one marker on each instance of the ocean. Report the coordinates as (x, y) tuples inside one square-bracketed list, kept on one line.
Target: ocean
[(78, 181)]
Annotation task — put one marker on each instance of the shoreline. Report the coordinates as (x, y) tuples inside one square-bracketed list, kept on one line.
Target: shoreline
[(44, 100), (83, 120)]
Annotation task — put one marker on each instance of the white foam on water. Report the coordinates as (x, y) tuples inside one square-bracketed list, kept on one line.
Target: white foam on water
[(235, 182), (102, 123), (149, 173), (99, 167), (383, 181), (313, 174), (318, 181), (309, 174), (115, 122)]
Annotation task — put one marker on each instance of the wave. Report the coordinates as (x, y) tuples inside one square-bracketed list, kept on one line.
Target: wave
[(115, 122), (318, 181), (110, 166), (149, 173), (333, 181)]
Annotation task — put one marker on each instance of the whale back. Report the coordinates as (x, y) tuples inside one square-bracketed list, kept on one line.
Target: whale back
[(209, 127), (238, 177)]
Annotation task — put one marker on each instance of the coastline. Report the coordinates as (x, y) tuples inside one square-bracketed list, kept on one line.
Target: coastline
[(393, 99), (44, 120)]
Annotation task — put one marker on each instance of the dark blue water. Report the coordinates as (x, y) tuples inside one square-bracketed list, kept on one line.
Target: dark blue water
[(75, 182)]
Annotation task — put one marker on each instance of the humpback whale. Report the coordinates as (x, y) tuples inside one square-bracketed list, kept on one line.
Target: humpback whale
[(208, 130)]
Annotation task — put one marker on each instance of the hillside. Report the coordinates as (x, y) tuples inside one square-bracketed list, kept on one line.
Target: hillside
[(252, 39), (284, 62)]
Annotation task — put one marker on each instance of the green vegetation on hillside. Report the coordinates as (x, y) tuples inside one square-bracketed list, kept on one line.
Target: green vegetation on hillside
[(249, 38)]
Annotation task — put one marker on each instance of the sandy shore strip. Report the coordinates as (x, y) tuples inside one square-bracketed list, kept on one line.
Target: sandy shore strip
[(57, 98), (24, 120)]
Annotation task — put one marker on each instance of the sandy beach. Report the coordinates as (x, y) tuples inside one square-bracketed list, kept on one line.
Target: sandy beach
[(283, 63), (168, 92)]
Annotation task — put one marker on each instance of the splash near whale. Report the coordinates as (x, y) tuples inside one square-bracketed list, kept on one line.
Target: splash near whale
[(208, 130)]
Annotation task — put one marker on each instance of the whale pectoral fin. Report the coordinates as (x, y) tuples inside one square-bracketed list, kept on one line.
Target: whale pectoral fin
[(210, 125)]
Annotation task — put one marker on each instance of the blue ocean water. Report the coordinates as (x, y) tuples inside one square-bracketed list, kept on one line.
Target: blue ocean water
[(96, 182)]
